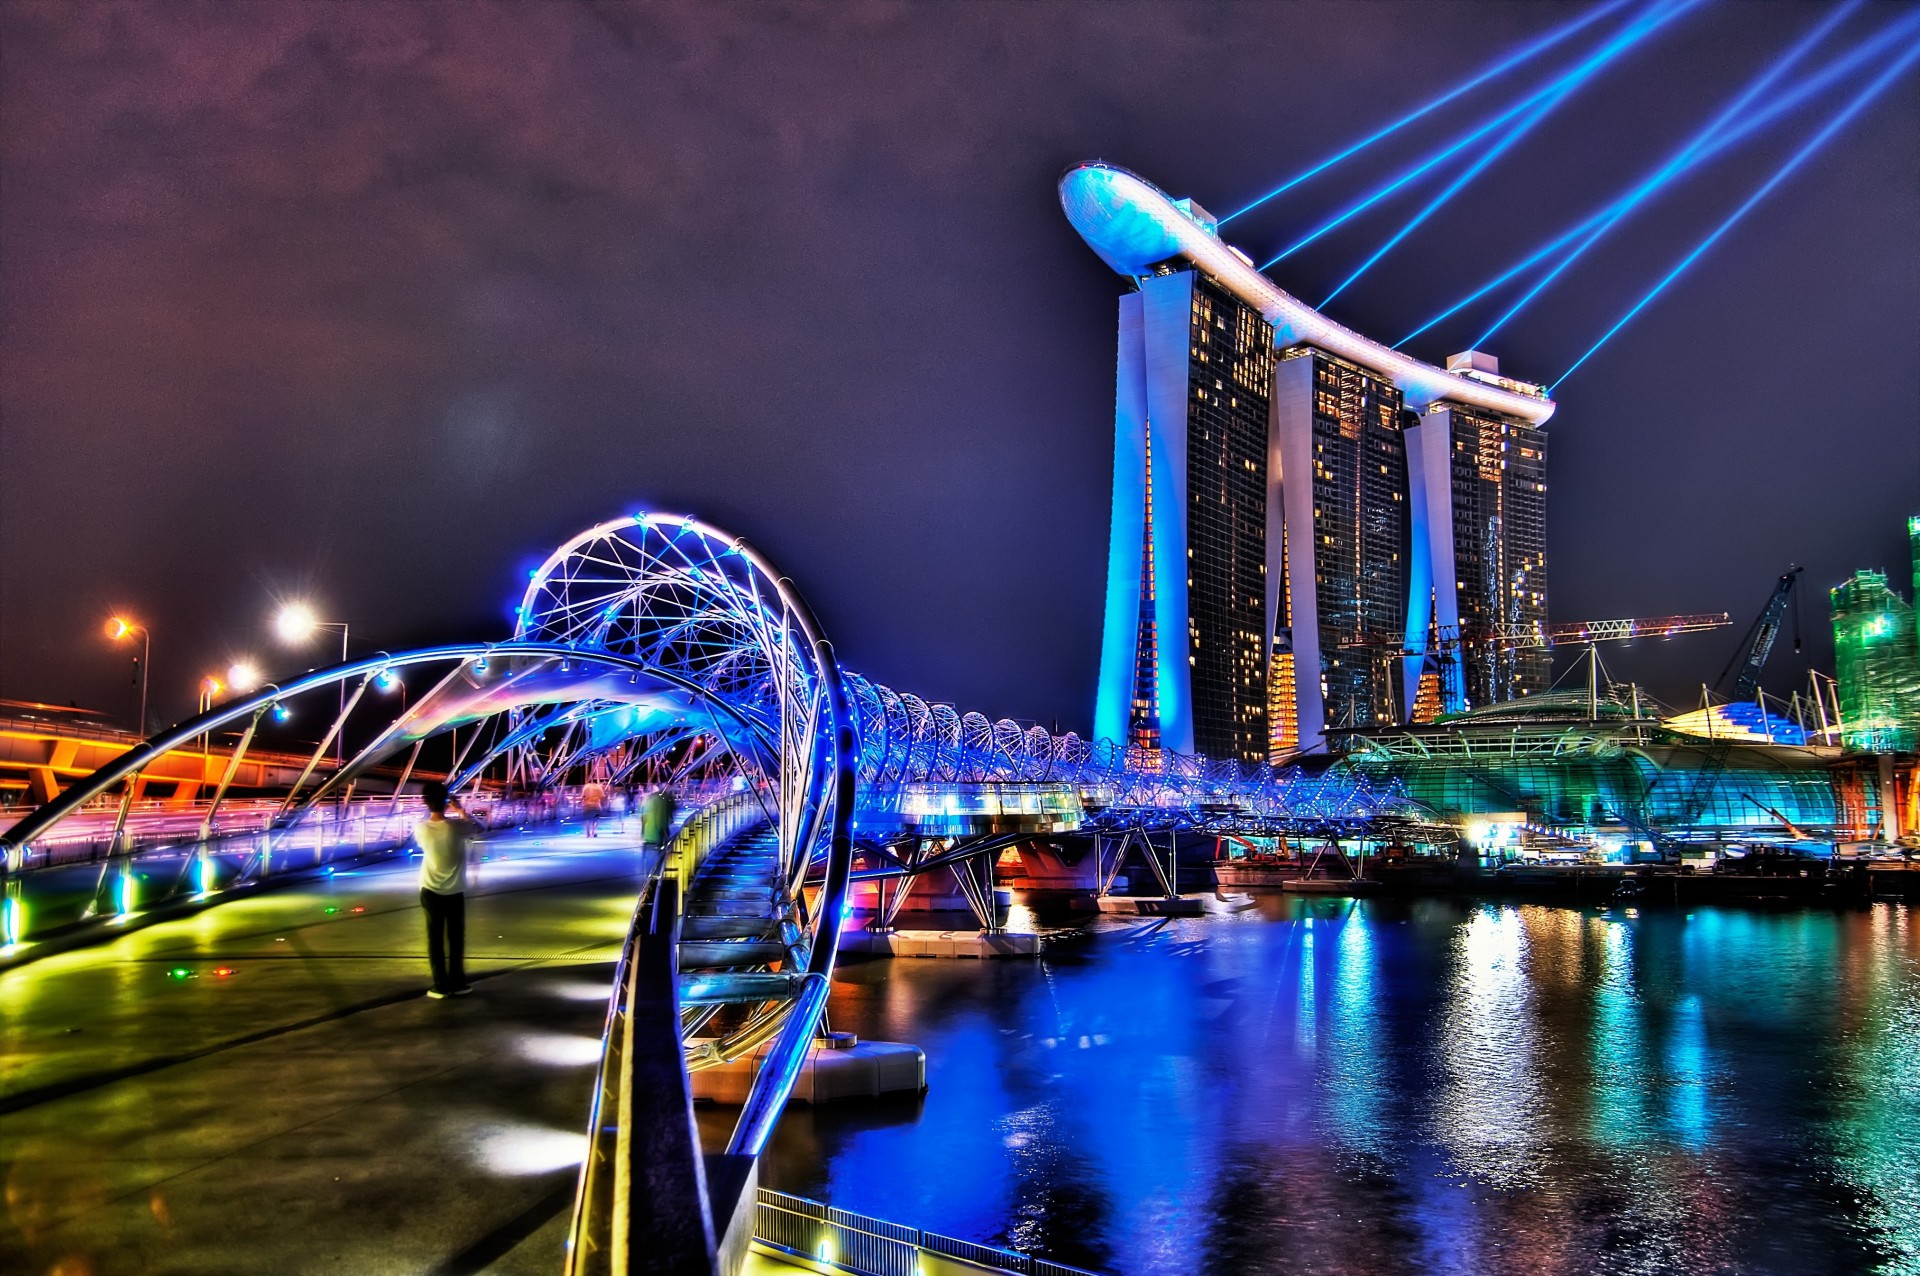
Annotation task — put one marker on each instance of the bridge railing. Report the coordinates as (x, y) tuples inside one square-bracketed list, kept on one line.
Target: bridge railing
[(869, 1246), (640, 1183), (55, 890), (719, 821)]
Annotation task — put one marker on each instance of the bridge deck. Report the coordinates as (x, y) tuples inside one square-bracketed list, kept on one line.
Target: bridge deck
[(312, 1110)]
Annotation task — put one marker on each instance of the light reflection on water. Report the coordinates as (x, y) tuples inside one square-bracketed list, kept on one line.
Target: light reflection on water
[(1320, 1085)]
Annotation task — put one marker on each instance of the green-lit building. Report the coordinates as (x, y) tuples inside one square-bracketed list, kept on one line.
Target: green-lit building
[(1598, 768), (1877, 660)]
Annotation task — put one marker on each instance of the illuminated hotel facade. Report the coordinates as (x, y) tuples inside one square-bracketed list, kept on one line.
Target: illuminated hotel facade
[(1294, 505)]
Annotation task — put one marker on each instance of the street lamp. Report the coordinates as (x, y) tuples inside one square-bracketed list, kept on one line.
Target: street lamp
[(243, 676), (296, 623), (120, 628), (390, 681), (210, 689)]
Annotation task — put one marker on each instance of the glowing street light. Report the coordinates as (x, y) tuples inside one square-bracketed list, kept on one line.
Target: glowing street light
[(296, 622), (119, 628), (244, 676)]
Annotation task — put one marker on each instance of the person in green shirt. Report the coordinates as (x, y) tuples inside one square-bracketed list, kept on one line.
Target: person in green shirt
[(656, 818)]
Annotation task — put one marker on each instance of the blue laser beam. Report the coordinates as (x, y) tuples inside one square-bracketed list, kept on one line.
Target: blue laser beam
[(1432, 161), (1674, 163), (1816, 142), (1807, 89), (1524, 55), (1650, 20)]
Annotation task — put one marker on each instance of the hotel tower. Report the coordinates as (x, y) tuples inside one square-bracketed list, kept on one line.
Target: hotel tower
[(1305, 522)]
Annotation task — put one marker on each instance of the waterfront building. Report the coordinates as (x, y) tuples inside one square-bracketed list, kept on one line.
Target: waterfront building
[(1276, 539), (1479, 492), (1579, 770), (1877, 660), (1338, 428), (1187, 622)]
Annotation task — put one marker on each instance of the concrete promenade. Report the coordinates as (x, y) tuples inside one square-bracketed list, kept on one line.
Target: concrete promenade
[(264, 1087)]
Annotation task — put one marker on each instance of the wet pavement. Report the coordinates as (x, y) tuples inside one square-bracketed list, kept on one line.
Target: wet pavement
[(264, 1086)]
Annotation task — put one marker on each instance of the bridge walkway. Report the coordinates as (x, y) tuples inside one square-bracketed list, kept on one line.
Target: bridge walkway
[(264, 1086)]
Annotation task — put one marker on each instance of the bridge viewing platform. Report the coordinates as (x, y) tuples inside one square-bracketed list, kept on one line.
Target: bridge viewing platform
[(263, 1087)]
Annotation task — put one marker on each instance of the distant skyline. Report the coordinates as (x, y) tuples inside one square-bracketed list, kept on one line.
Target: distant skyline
[(373, 304)]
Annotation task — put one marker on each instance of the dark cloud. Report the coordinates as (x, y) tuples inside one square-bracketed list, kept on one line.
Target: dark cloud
[(378, 300)]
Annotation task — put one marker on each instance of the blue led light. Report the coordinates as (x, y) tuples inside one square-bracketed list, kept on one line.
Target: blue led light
[(1859, 103), (1781, 105), (1675, 164), (1525, 54), (1646, 24)]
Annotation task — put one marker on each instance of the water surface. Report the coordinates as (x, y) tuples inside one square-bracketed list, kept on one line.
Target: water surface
[(1334, 1086)]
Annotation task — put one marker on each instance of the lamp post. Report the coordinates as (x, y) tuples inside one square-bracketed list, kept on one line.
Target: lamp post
[(119, 628), (296, 623), (210, 689)]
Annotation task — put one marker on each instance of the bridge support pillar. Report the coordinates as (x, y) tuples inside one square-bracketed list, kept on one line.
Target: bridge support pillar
[(733, 1188)]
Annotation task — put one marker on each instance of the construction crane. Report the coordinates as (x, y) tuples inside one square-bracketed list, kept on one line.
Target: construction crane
[(1751, 655), (1760, 639), (1450, 640), (1522, 637)]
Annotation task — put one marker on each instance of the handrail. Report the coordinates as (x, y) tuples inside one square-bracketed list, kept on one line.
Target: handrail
[(47, 905), (850, 1242), (597, 1236), (714, 824)]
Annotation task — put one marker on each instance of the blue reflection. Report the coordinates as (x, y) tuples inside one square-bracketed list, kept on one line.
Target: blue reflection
[(1342, 1087)]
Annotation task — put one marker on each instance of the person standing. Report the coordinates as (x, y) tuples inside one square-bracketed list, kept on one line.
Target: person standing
[(443, 838), (593, 800), (656, 819)]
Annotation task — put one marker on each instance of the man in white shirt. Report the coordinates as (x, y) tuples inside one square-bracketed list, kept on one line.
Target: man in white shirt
[(443, 838)]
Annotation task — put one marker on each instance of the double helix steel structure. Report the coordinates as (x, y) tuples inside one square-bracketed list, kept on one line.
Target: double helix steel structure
[(658, 648), (653, 646), (667, 590)]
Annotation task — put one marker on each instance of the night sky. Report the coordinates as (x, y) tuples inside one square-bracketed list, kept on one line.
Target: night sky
[(372, 303)]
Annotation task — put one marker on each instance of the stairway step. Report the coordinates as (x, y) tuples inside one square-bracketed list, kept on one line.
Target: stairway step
[(738, 988), (701, 892), (717, 955), (731, 908), (725, 928)]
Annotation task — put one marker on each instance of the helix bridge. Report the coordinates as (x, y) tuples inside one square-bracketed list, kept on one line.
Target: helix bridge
[(654, 650)]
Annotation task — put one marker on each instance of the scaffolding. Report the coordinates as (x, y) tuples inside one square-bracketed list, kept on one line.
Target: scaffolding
[(1877, 658)]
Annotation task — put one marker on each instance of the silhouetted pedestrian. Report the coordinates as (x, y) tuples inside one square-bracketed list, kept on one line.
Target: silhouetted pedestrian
[(656, 818), (593, 801), (443, 838)]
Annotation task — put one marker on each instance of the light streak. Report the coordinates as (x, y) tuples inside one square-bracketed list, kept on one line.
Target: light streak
[(1646, 24), (1859, 103), (1675, 163), (1791, 100), (1432, 161), (1439, 157), (1525, 54)]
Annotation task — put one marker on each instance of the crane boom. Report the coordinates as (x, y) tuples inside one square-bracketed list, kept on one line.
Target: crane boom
[(1760, 640), (1581, 631)]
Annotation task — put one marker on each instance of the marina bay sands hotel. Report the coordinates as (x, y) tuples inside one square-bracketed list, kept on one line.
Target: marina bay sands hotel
[(1296, 507)]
